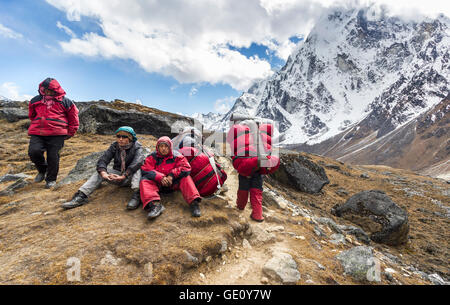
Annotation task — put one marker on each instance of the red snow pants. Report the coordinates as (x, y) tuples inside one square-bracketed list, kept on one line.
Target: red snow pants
[(150, 190), (253, 185)]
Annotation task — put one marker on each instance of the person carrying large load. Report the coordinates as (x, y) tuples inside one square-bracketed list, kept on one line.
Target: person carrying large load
[(208, 175), (250, 140)]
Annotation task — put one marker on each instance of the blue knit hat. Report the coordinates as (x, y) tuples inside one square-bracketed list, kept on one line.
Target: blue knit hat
[(128, 129)]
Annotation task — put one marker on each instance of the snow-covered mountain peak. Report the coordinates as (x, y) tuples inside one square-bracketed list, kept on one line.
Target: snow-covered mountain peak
[(354, 64)]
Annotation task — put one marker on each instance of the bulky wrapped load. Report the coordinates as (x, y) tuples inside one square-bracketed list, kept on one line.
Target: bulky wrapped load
[(247, 159), (206, 179)]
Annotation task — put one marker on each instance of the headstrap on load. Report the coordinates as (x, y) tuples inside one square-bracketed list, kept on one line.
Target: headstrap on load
[(214, 167)]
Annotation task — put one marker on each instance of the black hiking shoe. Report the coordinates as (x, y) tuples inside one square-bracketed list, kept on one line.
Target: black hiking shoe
[(50, 184), (155, 210), (195, 208), (39, 177), (134, 202), (77, 200)]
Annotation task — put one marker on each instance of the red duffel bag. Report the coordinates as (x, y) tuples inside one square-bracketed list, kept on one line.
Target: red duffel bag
[(239, 137), (245, 159), (202, 172)]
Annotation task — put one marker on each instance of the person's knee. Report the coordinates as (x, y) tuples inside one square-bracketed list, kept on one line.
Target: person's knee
[(35, 152)]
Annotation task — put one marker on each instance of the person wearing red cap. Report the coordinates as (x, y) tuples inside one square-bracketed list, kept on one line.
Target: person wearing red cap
[(168, 170), (54, 118)]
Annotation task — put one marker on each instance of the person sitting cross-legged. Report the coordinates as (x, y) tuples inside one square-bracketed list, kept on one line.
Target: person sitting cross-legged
[(128, 157), (167, 170)]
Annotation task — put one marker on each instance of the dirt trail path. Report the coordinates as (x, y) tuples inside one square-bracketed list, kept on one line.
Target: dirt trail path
[(243, 263)]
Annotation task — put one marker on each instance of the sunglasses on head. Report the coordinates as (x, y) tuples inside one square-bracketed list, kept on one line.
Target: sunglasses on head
[(121, 136)]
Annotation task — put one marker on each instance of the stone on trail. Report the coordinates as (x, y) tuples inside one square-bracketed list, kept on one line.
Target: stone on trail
[(282, 267)]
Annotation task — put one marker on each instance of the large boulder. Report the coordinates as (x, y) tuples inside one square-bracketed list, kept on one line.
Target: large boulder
[(104, 118), (297, 171), (377, 214)]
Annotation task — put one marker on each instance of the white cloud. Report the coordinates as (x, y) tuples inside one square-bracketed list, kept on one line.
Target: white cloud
[(11, 90), (66, 29), (189, 40), (223, 105), (8, 33), (193, 91)]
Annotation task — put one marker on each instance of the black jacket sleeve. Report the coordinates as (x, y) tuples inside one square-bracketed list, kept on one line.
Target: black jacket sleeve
[(137, 162), (104, 160)]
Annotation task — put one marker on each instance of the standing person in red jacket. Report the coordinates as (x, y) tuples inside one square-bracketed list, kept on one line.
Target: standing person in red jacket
[(54, 118), (167, 170)]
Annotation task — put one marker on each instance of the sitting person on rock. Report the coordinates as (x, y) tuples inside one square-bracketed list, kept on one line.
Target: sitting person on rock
[(128, 157), (167, 170)]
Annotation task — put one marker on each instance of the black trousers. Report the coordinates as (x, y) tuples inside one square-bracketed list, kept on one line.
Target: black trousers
[(52, 145), (255, 181)]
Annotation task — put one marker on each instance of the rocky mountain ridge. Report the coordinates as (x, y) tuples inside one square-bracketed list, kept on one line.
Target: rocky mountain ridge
[(423, 144), (360, 77), (355, 65)]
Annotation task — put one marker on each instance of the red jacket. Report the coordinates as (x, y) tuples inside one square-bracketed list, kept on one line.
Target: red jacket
[(52, 115), (173, 164)]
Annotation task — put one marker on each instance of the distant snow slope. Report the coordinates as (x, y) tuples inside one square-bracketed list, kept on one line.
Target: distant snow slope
[(355, 66), (2, 98)]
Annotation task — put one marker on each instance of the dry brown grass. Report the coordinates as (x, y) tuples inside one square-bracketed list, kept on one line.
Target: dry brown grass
[(37, 236)]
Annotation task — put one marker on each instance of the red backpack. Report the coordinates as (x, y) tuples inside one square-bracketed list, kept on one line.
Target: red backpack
[(202, 172), (245, 156)]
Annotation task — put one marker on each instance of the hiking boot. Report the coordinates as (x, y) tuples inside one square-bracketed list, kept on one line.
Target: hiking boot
[(195, 208), (50, 184), (39, 177), (78, 199), (256, 219), (155, 210), (134, 202)]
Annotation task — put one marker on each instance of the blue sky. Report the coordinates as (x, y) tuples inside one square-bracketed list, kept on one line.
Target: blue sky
[(176, 55), (30, 51)]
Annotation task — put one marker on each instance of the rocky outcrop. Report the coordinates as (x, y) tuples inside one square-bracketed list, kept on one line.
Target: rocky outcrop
[(13, 111), (299, 172), (376, 213), (105, 118)]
